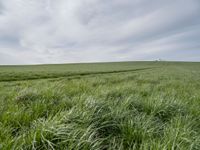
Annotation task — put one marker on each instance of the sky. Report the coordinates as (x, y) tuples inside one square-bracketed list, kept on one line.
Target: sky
[(73, 31)]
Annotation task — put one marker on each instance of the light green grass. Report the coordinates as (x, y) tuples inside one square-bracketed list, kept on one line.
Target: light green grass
[(131, 105)]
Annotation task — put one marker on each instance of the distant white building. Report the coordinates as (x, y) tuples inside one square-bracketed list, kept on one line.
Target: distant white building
[(159, 59)]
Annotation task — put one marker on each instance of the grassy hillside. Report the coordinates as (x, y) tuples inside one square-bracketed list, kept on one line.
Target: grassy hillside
[(130, 105), (15, 73)]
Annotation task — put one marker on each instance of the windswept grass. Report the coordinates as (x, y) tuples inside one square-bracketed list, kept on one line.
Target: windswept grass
[(145, 109)]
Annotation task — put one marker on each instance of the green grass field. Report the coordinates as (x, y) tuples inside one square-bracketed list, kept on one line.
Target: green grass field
[(100, 106)]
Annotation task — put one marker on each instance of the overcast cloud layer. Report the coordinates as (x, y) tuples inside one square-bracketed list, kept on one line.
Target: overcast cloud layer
[(61, 31)]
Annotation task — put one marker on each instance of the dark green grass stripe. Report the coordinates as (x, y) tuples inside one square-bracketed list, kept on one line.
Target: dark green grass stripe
[(75, 74)]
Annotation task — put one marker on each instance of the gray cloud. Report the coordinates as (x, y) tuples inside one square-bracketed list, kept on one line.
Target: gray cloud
[(48, 31)]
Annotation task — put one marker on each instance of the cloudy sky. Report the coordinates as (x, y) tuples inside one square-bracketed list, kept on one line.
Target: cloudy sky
[(62, 31)]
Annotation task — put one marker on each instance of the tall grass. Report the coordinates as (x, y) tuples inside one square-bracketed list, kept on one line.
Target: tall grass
[(142, 110)]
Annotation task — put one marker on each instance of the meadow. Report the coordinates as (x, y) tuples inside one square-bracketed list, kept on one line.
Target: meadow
[(100, 106)]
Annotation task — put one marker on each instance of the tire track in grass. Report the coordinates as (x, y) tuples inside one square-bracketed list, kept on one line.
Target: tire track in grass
[(77, 74)]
